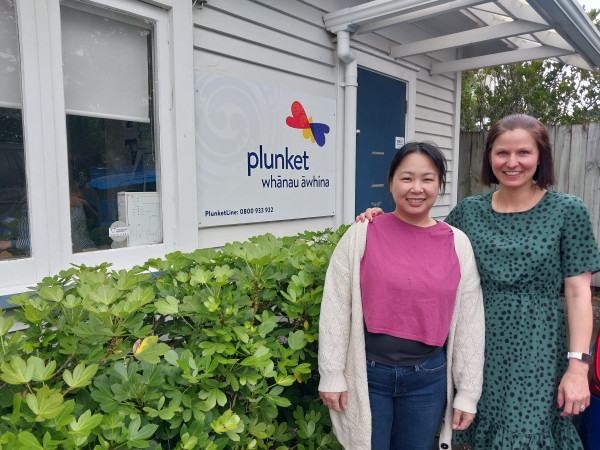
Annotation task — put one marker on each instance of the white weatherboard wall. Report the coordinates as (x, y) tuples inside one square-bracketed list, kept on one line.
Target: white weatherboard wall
[(285, 45)]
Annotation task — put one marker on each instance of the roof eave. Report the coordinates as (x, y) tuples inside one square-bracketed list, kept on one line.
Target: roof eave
[(574, 25)]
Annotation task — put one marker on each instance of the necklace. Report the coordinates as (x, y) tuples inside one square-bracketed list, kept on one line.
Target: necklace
[(499, 203)]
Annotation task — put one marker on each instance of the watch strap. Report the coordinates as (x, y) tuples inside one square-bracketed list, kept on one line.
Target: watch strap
[(582, 356)]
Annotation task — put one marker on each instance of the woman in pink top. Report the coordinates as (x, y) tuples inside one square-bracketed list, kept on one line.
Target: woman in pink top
[(401, 331)]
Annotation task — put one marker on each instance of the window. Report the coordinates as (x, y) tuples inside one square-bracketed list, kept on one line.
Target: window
[(89, 148), (14, 218), (108, 85)]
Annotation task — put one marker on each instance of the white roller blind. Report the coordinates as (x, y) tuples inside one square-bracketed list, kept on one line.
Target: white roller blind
[(10, 66), (105, 67)]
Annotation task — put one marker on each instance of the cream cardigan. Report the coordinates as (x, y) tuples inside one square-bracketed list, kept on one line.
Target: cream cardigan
[(342, 357)]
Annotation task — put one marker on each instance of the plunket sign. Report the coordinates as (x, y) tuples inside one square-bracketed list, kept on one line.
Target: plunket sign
[(260, 156)]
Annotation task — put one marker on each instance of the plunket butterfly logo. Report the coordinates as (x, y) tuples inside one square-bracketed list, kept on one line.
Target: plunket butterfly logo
[(310, 130)]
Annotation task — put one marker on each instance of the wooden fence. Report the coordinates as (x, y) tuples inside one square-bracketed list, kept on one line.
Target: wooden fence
[(576, 152)]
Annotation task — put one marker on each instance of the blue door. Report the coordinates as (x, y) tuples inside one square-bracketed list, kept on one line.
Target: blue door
[(380, 120)]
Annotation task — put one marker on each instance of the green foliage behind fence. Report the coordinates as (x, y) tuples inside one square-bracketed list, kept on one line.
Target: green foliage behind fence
[(211, 350)]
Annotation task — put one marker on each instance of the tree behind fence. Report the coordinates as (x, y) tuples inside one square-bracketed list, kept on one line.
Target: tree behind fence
[(576, 153)]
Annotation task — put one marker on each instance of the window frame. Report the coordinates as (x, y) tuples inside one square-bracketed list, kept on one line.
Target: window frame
[(45, 139)]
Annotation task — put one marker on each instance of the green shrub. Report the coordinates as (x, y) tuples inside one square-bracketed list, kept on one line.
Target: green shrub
[(212, 350)]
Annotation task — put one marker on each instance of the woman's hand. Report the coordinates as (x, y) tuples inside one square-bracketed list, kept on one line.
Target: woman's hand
[(461, 420), (573, 390), (337, 401), (369, 214)]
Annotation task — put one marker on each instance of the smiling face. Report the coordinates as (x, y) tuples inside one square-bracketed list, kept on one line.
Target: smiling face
[(514, 158), (415, 186)]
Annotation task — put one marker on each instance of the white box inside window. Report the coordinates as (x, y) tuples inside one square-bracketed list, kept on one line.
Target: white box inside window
[(140, 211)]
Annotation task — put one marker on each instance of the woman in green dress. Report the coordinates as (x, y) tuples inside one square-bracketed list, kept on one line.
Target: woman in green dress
[(530, 244)]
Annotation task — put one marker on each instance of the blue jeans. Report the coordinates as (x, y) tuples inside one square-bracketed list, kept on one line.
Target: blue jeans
[(406, 403)]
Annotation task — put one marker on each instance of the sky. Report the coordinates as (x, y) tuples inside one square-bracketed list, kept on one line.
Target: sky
[(590, 4)]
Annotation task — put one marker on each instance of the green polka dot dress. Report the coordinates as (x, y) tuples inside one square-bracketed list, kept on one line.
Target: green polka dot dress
[(522, 259)]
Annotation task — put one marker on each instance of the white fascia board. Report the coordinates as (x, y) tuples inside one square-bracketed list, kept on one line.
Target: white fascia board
[(573, 24), (375, 10), (551, 37), (165, 4), (420, 14), (496, 59), (575, 60), (523, 11), (508, 29)]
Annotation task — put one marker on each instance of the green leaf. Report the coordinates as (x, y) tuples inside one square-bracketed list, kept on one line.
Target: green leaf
[(105, 294), (259, 430), (188, 442), (150, 350), (64, 418), (152, 375), (72, 302), (301, 368), (212, 304), (222, 273), (137, 433), (167, 307), (260, 358), (220, 397), (82, 375), (168, 413), (112, 425), (33, 315), (306, 429), (128, 280), (54, 293), (6, 324), (171, 357), (199, 276), (287, 380), (242, 334), (140, 297), (232, 381), (233, 436), (41, 372), (93, 277), (45, 404), (9, 439), (83, 426), (120, 370), (16, 371), (29, 441), (48, 443), (269, 323), (182, 277), (303, 279), (296, 340), (210, 348), (16, 414), (279, 401), (228, 422), (104, 395)]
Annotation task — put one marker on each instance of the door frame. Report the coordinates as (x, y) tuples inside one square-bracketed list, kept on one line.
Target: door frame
[(400, 70)]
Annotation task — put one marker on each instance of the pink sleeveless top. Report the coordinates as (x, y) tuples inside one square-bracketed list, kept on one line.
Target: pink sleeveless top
[(409, 276)]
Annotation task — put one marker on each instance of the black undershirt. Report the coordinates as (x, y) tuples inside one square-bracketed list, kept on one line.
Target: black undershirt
[(394, 351)]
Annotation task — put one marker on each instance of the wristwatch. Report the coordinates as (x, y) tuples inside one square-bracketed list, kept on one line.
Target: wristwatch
[(582, 356)]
